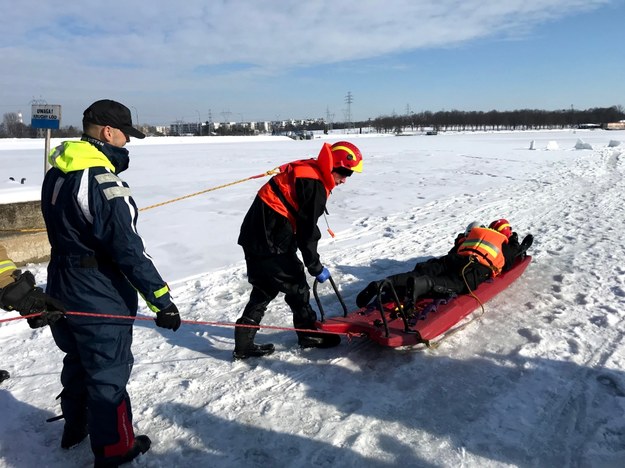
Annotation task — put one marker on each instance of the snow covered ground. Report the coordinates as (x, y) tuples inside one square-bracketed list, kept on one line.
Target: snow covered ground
[(537, 381)]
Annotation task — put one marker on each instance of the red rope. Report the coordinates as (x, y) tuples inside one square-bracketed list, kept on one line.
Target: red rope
[(189, 322)]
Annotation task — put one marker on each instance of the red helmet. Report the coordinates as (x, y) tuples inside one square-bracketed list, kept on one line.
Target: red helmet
[(502, 226), (347, 155)]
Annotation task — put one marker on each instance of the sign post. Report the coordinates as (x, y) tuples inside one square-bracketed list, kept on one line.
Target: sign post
[(48, 117)]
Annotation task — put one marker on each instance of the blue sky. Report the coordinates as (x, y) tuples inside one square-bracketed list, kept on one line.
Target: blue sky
[(250, 60)]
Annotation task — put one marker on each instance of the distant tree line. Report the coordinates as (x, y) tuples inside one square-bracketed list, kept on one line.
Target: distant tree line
[(523, 119)]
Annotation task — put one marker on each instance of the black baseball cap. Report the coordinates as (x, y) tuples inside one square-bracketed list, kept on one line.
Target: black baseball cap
[(113, 114)]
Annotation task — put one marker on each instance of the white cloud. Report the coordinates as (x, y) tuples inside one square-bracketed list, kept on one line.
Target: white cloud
[(146, 51), (277, 34)]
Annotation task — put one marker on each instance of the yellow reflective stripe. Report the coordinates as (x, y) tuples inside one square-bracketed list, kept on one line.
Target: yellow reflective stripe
[(7, 265), (346, 149), (481, 244), (158, 293), (161, 292), (357, 167)]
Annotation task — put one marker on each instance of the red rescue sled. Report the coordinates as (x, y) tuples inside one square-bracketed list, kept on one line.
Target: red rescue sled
[(389, 326)]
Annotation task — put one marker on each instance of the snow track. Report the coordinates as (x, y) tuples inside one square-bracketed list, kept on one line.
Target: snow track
[(537, 381)]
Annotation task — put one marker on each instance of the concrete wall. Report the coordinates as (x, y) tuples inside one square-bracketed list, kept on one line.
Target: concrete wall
[(22, 232), (23, 215)]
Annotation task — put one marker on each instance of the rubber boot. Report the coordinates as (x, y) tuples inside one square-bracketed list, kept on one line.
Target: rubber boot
[(244, 346), (304, 318), (317, 339), (417, 286), (141, 445), (364, 297)]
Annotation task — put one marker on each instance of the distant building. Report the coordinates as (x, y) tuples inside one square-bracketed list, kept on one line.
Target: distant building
[(615, 125), (184, 128)]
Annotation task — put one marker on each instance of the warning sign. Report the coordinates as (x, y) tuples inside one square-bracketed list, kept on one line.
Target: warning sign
[(46, 116)]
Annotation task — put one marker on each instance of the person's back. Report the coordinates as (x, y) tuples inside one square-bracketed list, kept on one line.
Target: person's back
[(91, 223)]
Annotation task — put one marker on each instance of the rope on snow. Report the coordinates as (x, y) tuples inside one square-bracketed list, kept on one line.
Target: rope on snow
[(189, 322)]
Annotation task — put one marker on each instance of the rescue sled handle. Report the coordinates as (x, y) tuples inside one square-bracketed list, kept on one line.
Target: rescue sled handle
[(338, 295)]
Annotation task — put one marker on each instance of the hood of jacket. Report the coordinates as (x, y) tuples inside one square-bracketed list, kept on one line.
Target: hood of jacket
[(72, 156)]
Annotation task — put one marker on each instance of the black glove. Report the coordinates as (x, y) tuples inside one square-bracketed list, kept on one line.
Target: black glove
[(514, 239), (169, 318), (22, 295), (52, 311)]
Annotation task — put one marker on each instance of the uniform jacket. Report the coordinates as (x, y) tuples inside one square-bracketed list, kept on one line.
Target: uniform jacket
[(267, 231), (98, 262)]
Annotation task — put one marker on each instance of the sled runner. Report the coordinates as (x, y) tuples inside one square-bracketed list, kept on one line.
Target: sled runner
[(430, 318)]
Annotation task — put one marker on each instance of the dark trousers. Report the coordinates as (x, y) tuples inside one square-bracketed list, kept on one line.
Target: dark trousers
[(96, 368), (271, 275), (449, 274)]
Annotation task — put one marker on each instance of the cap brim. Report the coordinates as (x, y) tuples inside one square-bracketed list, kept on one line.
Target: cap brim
[(133, 132)]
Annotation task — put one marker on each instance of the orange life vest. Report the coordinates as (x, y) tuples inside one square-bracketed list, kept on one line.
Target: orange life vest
[(486, 246), (279, 192)]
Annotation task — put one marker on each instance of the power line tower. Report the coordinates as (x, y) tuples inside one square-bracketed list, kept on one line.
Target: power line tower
[(409, 117), (329, 118), (348, 100)]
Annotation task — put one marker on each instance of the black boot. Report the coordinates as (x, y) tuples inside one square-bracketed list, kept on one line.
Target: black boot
[(4, 375), (244, 346), (141, 445), (364, 297), (317, 340), (418, 286), (304, 318)]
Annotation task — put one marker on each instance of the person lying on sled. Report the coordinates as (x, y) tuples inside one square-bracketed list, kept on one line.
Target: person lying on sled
[(478, 254)]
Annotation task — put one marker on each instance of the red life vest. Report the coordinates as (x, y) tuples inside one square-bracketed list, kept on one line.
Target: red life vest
[(485, 245), (279, 192)]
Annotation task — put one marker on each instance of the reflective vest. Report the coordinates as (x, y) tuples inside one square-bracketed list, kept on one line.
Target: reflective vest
[(7, 267), (279, 192), (485, 245)]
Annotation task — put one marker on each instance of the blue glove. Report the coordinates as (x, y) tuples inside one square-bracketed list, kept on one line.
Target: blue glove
[(323, 276)]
